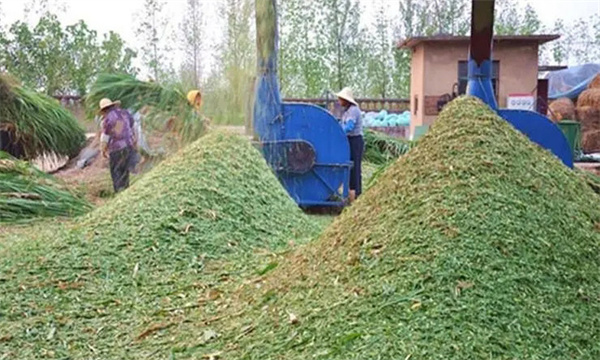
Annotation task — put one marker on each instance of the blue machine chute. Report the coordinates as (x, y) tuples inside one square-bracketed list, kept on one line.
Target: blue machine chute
[(304, 144), (537, 127)]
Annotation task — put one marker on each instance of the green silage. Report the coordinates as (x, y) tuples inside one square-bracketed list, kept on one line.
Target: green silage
[(100, 288), (475, 245)]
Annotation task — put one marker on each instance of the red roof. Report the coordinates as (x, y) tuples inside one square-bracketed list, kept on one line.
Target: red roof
[(417, 40)]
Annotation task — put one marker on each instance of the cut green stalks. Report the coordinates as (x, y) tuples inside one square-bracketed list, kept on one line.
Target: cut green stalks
[(38, 123), (166, 104), (27, 193)]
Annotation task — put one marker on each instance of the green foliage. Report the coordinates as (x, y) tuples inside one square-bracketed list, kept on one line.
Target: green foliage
[(114, 56), (38, 123), (27, 194), (301, 67), (340, 38), (579, 42), (151, 32), (228, 91), (512, 18), (57, 60), (380, 62), (192, 40)]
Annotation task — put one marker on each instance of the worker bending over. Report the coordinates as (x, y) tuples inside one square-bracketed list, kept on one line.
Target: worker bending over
[(353, 127), (118, 141)]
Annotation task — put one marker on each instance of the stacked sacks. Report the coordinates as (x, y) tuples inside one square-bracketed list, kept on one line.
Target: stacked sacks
[(476, 244)]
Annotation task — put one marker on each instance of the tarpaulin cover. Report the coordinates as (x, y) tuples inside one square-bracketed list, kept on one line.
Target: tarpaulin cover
[(571, 82)]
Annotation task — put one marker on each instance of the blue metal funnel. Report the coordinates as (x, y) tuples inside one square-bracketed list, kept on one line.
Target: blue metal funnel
[(537, 127)]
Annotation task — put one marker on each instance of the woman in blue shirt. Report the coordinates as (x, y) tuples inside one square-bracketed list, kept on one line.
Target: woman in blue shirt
[(352, 124)]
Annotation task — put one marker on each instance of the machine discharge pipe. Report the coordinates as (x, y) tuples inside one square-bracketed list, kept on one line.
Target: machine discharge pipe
[(267, 104)]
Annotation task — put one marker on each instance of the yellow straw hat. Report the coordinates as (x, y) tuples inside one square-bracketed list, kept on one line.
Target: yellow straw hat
[(104, 103), (192, 95)]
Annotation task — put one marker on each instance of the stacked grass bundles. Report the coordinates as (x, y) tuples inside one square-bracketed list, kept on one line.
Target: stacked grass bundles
[(35, 124), (168, 105), (588, 114), (561, 109), (27, 193), (381, 148), (156, 250), (476, 244)]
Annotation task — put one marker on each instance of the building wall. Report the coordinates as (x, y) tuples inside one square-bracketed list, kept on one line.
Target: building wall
[(416, 87), (436, 68)]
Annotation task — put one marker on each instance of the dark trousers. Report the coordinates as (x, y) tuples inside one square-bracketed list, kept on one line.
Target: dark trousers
[(357, 148), (119, 168)]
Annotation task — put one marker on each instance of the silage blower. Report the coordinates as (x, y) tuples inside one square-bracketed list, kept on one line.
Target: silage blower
[(303, 143), (535, 126)]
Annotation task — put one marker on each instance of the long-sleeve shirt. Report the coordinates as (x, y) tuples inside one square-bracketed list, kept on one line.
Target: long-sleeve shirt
[(117, 128), (352, 121)]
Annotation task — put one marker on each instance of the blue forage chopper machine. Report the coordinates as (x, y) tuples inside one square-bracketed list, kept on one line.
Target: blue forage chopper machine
[(535, 126), (309, 151)]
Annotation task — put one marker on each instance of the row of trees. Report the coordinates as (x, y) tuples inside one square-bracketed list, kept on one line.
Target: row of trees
[(59, 59), (324, 45)]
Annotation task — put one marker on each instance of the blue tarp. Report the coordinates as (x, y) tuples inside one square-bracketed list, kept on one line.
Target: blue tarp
[(571, 82)]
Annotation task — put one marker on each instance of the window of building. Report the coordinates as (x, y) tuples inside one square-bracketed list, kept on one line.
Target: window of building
[(463, 77)]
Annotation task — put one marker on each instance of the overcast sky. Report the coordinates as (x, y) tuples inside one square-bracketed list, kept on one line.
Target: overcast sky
[(122, 15)]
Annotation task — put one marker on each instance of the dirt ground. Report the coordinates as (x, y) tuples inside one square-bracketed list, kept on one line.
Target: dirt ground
[(94, 180), (591, 167)]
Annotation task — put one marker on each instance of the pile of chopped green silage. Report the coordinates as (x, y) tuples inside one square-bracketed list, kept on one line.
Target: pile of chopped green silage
[(104, 287), (476, 244)]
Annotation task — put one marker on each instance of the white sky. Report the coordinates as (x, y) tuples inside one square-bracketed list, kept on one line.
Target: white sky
[(121, 16)]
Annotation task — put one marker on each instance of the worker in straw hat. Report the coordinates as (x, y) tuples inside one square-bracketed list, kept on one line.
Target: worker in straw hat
[(118, 141), (352, 124), (194, 97)]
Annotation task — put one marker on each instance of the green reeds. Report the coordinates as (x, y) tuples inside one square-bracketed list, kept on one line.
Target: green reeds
[(27, 193), (37, 124), (166, 105)]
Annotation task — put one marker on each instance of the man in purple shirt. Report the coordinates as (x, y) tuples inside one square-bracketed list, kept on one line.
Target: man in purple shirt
[(118, 141)]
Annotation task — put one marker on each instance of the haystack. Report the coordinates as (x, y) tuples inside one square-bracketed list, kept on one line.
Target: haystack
[(476, 244), (590, 141), (561, 109), (595, 84), (590, 97), (589, 117)]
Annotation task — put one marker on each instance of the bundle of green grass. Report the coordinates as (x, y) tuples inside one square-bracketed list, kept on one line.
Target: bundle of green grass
[(381, 149), (166, 104), (27, 193), (37, 124), (476, 244), (199, 219)]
